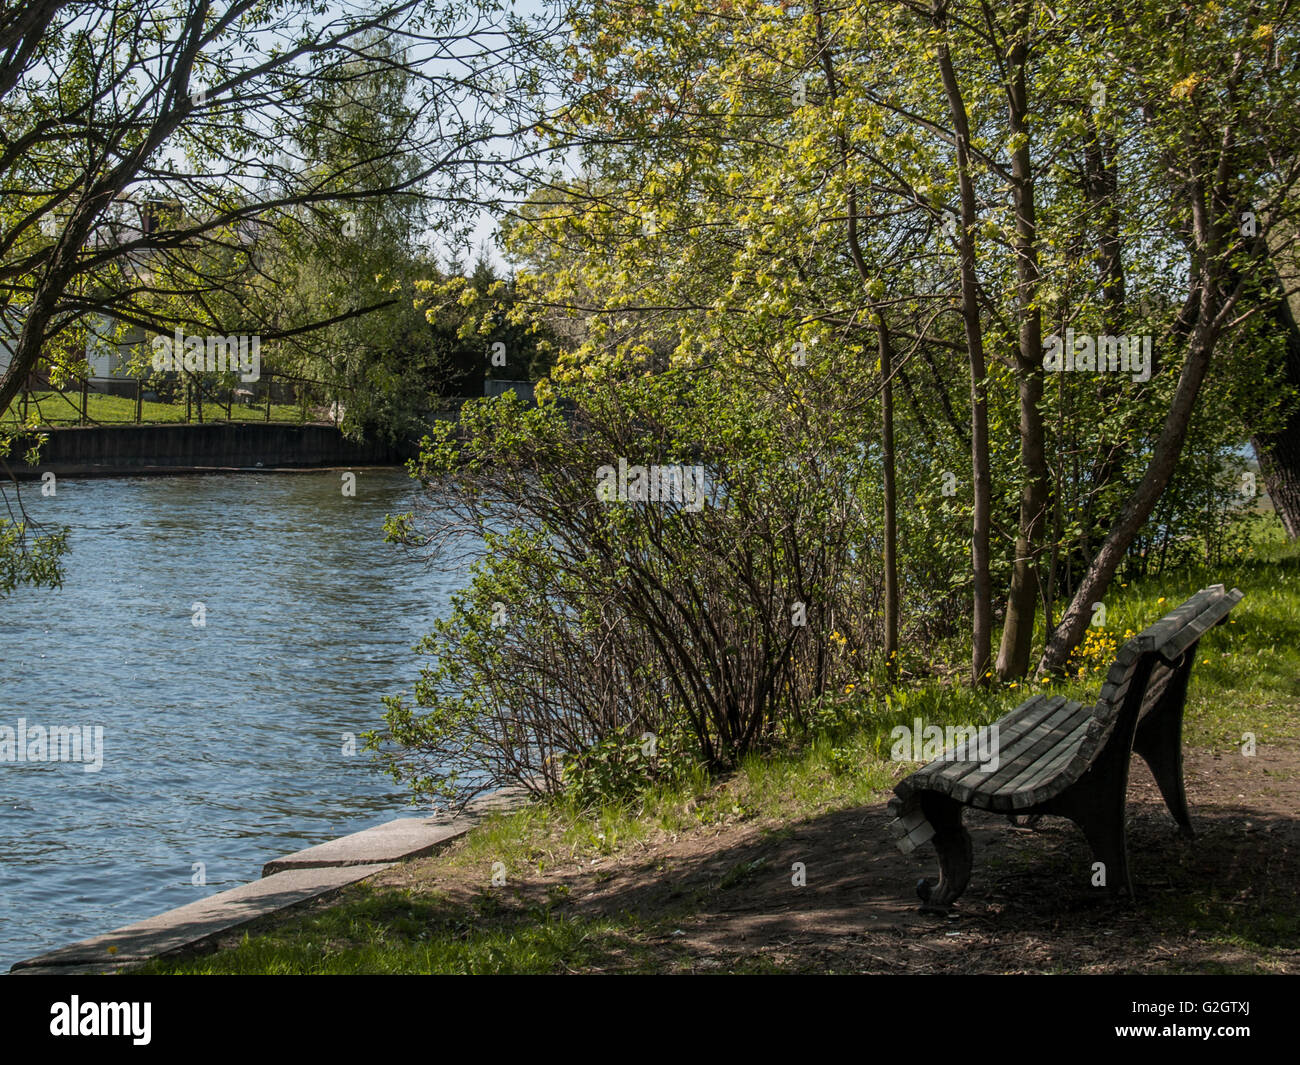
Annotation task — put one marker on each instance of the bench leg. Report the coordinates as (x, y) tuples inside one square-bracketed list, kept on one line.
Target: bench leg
[(952, 842), (1098, 809), (1109, 841), (1159, 740)]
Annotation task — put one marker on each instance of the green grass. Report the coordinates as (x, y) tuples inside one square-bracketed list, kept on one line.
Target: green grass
[(50, 409), (788, 786), (397, 932), (1247, 679)]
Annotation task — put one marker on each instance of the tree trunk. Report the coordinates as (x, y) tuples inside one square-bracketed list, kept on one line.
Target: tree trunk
[(886, 385), (982, 613), (891, 505), (1142, 501), (1278, 452), (1022, 599)]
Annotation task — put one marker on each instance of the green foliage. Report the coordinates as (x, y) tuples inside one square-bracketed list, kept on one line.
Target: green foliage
[(26, 558), (30, 560), (620, 767), (712, 233)]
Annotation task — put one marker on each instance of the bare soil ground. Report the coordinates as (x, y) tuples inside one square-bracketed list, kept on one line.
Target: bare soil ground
[(722, 897)]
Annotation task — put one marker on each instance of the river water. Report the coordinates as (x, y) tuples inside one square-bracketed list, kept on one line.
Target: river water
[(223, 745)]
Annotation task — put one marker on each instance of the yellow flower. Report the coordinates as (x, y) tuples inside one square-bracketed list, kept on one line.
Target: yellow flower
[(1160, 600), (848, 689)]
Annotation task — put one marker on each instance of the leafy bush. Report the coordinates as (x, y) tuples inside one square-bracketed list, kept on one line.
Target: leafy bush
[(589, 622)]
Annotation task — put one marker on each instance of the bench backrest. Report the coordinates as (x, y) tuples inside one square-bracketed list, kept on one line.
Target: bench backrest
[(1155, 656)]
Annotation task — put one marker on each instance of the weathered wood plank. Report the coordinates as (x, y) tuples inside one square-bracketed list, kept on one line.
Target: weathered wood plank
[(1070, 732), (1114, 693), (1070, 763), (1214, 613), (972, 776), (995, 797), (942, 770), (1029, 750)]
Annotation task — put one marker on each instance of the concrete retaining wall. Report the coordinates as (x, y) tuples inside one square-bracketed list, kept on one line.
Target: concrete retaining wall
[(145, 449)]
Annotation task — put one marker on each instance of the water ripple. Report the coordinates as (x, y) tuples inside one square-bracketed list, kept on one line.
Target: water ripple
[(222, 745)]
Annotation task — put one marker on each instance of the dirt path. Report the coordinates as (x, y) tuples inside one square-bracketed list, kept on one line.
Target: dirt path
[(721, 897)]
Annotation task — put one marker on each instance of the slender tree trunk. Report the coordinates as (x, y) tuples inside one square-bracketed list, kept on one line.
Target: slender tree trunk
[(1100, 187), (1023, 597), (1142, 501), (891, 503), (982, 614), (886, 388), (1279, 463), (1278, 452)]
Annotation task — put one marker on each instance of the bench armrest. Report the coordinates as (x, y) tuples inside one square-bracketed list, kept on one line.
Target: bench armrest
[(1214, 613)]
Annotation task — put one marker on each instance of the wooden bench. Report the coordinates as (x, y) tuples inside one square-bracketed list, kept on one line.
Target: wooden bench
[(1056, 756)]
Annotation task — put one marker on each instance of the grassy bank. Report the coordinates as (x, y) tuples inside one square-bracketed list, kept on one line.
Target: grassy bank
[(704, 877), (56, 409)]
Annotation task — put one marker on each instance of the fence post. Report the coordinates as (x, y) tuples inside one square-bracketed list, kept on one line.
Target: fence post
[(139, 400), (85, 388)]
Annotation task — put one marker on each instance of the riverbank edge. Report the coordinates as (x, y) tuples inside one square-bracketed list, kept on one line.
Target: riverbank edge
[(214, 447), (287, 882)]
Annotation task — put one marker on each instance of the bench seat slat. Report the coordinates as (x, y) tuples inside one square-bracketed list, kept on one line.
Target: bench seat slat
[(1071, 763), (953, 777), (1198, 627), (1066, 765), (939, 774), (1068, 734), (953, 770), (1068, 717)]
